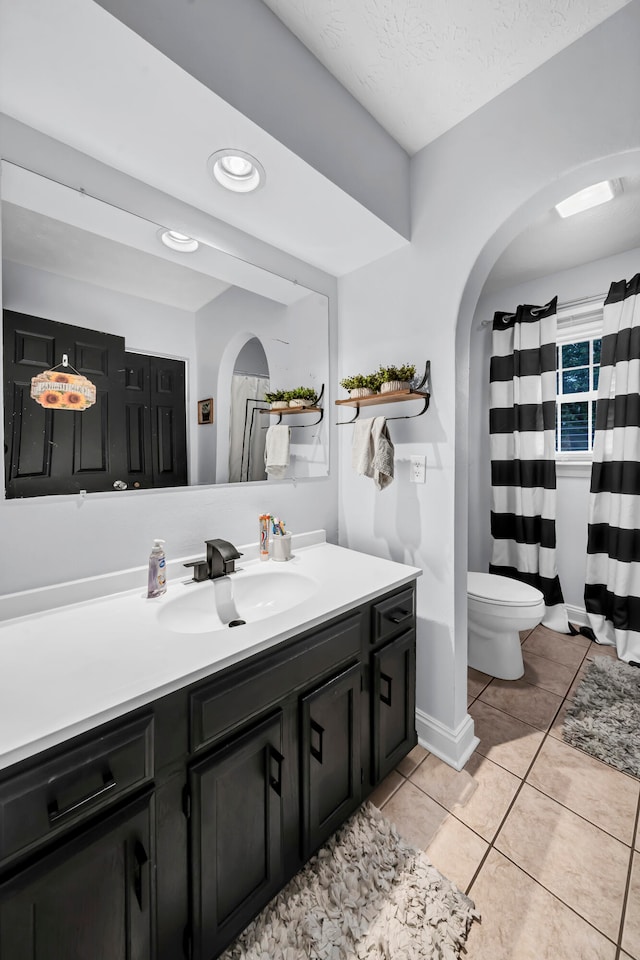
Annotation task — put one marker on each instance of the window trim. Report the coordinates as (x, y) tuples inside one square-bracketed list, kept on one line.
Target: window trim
[(579, 320)]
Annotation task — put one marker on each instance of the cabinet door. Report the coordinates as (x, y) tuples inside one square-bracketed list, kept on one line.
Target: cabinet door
[(88, 899), (235, 835), (330, 756), (393, 702)]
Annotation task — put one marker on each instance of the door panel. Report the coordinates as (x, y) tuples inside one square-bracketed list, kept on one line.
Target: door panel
[(393, 703), (330, 760), (91, 898), (237, 857), (134, 433), (59, 451)]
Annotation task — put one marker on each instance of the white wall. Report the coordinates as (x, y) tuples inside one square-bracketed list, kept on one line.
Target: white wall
[(590, 279), (473, 190)]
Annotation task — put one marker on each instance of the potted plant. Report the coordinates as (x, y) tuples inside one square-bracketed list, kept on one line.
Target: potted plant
[(396, 378), (360, 385), (277, 398), (302, 397)]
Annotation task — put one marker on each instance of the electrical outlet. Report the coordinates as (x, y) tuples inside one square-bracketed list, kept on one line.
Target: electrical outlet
[(417, 469)]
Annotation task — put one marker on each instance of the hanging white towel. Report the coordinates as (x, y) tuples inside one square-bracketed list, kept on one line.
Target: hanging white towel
[(372, 451), (276, 451)]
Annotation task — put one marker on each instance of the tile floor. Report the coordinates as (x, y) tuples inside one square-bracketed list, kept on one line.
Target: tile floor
[(541, 836)]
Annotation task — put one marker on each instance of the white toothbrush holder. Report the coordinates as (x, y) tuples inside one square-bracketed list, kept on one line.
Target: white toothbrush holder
[(281, 547)]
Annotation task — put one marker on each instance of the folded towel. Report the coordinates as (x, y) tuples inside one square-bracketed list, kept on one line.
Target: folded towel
[(276, 451), (372, 451)]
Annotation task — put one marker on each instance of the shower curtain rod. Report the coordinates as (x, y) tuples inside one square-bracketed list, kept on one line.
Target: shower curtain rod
[(568, 306)]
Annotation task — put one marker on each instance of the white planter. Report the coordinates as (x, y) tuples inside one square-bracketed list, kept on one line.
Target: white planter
[(358, 392), (280, 405), (300, 402), (391, 386)]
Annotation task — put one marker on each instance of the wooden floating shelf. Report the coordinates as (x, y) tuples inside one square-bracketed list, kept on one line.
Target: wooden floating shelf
[(395, 396), (285, 411)]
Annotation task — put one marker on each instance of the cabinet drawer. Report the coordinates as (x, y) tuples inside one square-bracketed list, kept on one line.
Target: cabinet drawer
[(393, 615), (42, 802), (232, 700)]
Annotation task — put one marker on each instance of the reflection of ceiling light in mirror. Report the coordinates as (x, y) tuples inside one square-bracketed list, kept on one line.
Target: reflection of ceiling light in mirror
[(178, 241), (236, 170), (591, 196)]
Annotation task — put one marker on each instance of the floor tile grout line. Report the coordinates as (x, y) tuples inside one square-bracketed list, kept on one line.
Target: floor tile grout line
[(551, 894), (513, 716), (519, 719), (575, 813), (507, 812), (514, 798), (625, 897), (450, 812)]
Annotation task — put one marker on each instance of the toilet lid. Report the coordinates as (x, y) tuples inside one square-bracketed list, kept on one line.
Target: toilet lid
[(494, 589)]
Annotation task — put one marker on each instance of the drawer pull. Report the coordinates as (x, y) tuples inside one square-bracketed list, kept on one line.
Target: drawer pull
[(316, 751), (108, 783), (141, 859), (392, 615), (385, 698), (276, 782)]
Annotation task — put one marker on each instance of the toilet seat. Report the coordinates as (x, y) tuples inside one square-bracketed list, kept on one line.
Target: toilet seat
[(491, 589)]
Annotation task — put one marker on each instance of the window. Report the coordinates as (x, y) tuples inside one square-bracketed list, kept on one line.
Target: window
[(579, 343)]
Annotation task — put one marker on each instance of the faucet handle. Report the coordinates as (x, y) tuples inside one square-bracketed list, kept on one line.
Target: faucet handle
[(200, 569)]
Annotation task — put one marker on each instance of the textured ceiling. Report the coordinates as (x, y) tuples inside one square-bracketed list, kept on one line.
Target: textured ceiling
[(421, 66), (551, 244)]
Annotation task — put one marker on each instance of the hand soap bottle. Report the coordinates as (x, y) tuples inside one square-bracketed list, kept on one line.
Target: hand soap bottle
[(157, 571)]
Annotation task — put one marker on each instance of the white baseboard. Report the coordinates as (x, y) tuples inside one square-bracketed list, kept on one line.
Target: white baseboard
[(453, 746), (577, 615)]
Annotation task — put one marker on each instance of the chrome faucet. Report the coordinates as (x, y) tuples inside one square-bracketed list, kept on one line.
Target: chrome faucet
[(219, 562)]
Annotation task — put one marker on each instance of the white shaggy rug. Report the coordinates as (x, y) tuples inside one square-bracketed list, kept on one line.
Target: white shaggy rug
[(604, 717), (365, 894)]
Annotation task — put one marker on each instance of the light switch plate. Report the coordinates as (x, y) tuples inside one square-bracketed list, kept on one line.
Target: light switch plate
[(417, 468)]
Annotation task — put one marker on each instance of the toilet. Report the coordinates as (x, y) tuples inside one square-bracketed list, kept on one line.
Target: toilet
[(498, 609)]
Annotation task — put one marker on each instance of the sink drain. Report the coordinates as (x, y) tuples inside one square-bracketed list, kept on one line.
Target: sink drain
[(236, 623)]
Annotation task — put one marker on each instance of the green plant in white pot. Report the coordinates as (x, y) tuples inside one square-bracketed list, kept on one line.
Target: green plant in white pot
[(360, 385), (393, 378), (277, 398), (302, 397)]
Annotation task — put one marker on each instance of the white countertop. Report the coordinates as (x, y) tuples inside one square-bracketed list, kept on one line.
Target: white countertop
[(68, 669)]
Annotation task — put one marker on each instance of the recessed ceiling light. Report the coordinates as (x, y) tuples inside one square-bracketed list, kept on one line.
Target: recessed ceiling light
[(591, 196), (236, 170), (178, 241)]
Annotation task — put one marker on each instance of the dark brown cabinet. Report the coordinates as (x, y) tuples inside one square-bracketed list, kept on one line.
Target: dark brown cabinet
[(393, 703), (330, 756), (91, 897), (235, 843), (162, 834)]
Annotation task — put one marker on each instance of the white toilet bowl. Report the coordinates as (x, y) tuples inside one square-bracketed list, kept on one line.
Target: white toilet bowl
[(498, 609)]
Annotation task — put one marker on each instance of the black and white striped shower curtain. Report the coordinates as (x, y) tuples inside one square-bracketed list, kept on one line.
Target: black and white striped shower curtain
[(612, 589), (522, 401)]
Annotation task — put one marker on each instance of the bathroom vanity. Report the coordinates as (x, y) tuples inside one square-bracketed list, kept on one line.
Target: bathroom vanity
[(162, 831)]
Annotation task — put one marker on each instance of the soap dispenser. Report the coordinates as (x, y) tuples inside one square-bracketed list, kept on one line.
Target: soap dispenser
[(157, 570)]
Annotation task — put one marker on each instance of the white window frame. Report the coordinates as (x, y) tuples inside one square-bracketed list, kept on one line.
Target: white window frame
[(577, 321)]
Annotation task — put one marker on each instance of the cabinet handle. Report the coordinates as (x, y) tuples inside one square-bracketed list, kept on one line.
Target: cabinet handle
[(276, 782), (398, 619), (108, 783), (316, 751), (386, 679), (140, 857)]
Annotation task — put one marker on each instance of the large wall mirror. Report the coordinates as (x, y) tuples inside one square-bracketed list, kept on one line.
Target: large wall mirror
[(181, 348)]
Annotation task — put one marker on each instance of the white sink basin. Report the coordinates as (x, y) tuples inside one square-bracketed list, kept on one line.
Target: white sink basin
[(246, 595)]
